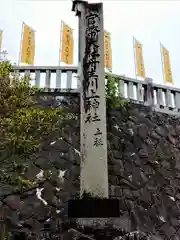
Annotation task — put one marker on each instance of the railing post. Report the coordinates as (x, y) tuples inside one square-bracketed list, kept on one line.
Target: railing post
[(94, 200), (149, 92)]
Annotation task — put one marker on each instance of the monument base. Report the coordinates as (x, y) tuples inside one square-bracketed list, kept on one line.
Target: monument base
[(93, 208)]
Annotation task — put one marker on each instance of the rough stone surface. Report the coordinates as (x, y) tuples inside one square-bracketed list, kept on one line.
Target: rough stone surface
[(144, 174)]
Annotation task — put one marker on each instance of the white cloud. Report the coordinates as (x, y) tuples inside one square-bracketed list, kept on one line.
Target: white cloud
[(150, 22)]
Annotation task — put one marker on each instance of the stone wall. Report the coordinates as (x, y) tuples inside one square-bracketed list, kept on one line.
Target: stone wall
[(144, 159), (144, 173)]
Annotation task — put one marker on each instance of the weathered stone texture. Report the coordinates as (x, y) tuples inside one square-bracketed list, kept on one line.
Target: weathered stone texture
[(144, 174)]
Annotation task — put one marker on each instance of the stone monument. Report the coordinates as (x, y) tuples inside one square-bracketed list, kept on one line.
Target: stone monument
[(94, 167)]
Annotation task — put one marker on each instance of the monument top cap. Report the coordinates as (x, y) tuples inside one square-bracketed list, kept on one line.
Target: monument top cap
[(77, 2)]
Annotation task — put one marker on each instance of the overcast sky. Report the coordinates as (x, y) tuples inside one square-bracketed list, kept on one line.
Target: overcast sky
[(148, 21)]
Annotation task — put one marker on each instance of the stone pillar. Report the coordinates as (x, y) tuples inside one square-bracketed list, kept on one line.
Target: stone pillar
[(93, 200), (94, 173), (149, 92)]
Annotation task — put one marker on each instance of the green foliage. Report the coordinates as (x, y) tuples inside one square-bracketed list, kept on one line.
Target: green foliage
[(5, 69), (23, 125), (113, 96)]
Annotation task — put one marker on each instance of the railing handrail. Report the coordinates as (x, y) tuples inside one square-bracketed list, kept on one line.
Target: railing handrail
[(45, 68), (165, 98), (136, 81), (74, 69)]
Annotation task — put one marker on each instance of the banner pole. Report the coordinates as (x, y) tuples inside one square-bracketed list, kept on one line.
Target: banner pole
[(20, 50), (60, 44), (1, 31), (134, 51), (162, 62)]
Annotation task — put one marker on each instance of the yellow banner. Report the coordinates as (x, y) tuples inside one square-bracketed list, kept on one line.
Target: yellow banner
[(67, 47), (1, 36), (28, 45), (140, 69), (107, 51), (167, 66)]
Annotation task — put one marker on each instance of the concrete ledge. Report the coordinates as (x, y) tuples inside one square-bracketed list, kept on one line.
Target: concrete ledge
[(93, 208)]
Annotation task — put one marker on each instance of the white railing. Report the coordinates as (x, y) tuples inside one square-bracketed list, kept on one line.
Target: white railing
[(64, 79), (51, 77)]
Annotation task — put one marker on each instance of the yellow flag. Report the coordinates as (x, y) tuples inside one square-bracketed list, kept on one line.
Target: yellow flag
[(167, 66), (1, 36), (28, 45), (140, 69), (107, 51), (67, 47)]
